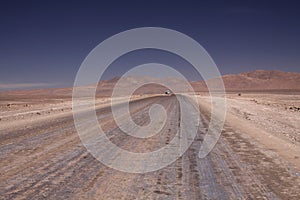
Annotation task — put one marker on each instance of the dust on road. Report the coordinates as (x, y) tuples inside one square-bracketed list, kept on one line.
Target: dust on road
[(47, 160)]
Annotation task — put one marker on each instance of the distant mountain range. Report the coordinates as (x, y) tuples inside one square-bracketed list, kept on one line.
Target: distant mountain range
[(259, 80)]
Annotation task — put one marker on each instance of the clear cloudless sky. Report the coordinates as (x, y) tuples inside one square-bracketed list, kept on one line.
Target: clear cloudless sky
[(46, 41)]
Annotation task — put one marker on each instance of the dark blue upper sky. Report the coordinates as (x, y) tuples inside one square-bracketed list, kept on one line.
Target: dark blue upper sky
[(45, 42)]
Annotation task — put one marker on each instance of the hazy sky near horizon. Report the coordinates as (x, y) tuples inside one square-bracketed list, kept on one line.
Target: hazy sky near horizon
[(46, 41)]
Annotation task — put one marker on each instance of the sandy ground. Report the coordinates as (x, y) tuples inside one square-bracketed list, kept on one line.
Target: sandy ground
[(270, 119), (278, 114), (21, 112), (255, 158)]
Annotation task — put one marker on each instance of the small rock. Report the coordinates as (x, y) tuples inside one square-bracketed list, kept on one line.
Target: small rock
[(294, 108)]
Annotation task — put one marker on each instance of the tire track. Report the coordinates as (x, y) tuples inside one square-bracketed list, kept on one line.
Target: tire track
[(46, 168), (41, 167)]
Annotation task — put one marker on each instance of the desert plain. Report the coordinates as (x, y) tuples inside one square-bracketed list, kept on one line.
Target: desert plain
[(256, 157)]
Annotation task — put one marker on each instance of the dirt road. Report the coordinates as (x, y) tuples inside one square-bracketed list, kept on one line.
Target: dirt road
[(48, 161)]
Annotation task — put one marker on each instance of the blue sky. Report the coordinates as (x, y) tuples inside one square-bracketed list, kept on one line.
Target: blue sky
[(46, 41)]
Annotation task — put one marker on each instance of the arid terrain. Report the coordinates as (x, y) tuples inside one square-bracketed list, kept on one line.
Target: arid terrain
[(256, 157)]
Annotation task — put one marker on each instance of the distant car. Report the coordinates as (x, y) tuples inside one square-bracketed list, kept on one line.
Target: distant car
[(168, 92)]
